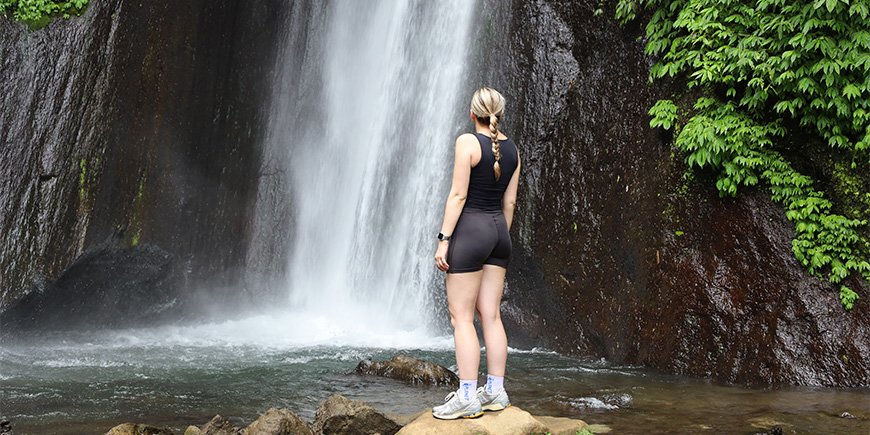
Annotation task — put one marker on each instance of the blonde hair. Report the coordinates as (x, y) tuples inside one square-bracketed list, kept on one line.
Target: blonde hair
[(487, 105)]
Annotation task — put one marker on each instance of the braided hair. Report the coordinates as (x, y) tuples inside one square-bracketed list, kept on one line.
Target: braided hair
[(487, 104)]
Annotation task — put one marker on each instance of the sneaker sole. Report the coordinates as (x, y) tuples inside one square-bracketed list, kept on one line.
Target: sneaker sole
[(457, 416), (495, 407)]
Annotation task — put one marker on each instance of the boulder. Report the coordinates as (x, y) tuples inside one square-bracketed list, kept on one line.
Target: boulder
[(192, 430), (511, 421), (409, 369), (220, 426), (137, 429), (278, 422), (340, 415)]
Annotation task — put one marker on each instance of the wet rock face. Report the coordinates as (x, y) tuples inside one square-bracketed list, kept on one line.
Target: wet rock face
[(599, 267), (409, 369), (137, 115)]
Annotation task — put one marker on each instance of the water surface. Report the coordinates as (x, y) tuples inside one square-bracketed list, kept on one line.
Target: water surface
[(179, 376)]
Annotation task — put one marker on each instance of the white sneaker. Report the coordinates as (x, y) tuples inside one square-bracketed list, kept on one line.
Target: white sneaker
[(493, 402), (454, 408)]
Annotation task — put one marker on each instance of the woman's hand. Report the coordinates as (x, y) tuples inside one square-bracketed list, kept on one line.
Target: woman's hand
[(441, 256)]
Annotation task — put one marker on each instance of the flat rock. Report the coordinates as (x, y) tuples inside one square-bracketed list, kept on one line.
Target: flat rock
[(511, 421), (340, 415), (137, 429), (409, 369), (278, 422)]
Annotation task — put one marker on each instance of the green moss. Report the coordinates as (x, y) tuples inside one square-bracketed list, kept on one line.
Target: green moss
[(138, 209), (83, 180), (851, 190)]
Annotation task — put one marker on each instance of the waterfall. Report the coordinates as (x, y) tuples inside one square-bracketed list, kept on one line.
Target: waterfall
[(366, 106)]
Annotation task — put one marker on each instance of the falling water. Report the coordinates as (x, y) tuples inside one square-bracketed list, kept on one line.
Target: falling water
[(366, 107)]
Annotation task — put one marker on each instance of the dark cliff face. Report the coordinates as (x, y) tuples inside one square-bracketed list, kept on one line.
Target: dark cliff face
[(617, 255), (128, 134)]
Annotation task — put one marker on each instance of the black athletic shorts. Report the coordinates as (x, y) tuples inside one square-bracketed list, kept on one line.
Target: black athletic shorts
[(481, 237)]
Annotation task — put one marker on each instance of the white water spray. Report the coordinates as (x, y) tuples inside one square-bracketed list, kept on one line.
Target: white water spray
[(367, 112)]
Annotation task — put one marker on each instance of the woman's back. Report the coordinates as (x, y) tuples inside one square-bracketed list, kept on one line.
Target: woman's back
[(484, 191)]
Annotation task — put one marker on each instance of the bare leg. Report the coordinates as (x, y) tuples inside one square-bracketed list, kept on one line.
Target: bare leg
[(489, 309), (462, 290)]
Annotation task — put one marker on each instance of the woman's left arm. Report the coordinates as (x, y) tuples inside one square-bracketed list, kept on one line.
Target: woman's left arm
[(509, 200), (458, 193)]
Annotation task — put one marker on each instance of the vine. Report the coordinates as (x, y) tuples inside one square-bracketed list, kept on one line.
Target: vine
[(38, 13), (771, 73)]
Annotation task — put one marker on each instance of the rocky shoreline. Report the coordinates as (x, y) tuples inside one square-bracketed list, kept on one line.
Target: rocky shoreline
[(340, 415)]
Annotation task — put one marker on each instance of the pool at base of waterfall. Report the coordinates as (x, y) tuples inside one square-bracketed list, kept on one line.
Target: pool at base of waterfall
[(81, 384)]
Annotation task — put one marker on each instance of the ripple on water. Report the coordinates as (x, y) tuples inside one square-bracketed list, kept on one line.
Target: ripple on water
[(80, 362), (607, 402)]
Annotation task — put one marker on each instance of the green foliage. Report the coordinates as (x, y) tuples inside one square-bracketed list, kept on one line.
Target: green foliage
[(37, 13), (771, 73)]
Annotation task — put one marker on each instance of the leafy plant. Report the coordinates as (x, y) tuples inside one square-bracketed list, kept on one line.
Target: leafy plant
[(37, 13), (771, 73)]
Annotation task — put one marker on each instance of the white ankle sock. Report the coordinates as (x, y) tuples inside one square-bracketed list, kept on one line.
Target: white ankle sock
[(467, 390), (494, 384)]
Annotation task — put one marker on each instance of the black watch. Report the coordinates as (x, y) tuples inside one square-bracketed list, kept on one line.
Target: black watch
[(443, 238)]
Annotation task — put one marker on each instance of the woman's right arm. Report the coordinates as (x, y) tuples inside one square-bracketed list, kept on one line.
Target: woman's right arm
[(509, 200), (465, 145)]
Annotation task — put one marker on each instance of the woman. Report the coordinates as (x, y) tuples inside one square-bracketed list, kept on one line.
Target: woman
[(474, 248)]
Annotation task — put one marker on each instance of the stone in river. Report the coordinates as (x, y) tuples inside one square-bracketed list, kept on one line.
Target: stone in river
[(220, 426), (137, 429), (340, 415), (278, 422), (409, 369)]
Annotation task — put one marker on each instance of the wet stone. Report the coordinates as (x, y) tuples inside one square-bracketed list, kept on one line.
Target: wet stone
[(220, 426), (138, 429), (412, 370), (278, 422), (340, 415)]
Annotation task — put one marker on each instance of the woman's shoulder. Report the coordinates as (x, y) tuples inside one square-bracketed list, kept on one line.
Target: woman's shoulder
[(467, 143), (466, 137)]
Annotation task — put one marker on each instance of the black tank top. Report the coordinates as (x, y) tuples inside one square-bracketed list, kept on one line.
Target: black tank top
[(484, 192)]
